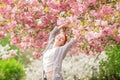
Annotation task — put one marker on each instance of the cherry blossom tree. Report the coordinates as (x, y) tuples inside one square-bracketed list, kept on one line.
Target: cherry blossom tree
[(29, 22)]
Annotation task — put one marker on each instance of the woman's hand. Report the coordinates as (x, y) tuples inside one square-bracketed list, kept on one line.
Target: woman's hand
[(76, 34), (63, 26)]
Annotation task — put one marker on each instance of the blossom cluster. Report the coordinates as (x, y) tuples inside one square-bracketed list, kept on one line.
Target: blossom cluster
[(30, 21), (82, 66), (6, 52), (74, 67)]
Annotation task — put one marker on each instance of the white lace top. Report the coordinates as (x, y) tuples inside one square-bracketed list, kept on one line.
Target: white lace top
[(48, 60)]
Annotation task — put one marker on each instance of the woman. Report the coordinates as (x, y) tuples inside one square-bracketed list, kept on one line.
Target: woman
[(54, 54)]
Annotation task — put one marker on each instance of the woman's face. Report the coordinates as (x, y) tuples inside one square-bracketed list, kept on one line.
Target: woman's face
[(60, 39)]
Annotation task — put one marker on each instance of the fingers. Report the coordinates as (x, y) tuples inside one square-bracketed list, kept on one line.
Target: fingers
[(62, 26)]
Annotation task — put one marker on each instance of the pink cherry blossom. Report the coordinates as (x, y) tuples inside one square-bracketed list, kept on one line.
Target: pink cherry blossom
[(92, 2), (96, 14), (53, 4), (94, 44), (37, 55), (97, 22), (44, 1), (104, 23), (75, 8), (119, 31), (5, 57), (83, 8), (92, 35), (108, 31), (37, 44), (54, 11), (70, 1), (75, 32), (93, 12), (60, 21), (118, 7), (117, 38), (107, 10), (2, 34), (99, 15), (13, 25), (8, 1), (64, 6), (15, 40)]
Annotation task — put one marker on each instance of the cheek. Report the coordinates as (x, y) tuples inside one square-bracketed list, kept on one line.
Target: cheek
[(63, 40)]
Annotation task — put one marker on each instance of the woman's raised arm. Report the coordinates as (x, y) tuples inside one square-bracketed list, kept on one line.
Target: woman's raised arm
[(54, 31), (68, 45)]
